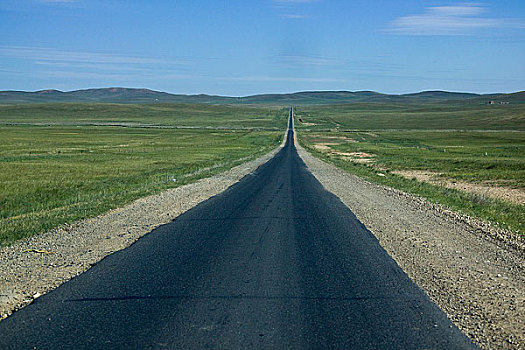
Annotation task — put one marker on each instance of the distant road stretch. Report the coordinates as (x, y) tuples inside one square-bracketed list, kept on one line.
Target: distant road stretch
[(276, 261)]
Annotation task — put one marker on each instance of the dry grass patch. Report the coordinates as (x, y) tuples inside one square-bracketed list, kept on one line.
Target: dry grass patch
[(356, 157), (355, 154), (489, 189), (325, 146)]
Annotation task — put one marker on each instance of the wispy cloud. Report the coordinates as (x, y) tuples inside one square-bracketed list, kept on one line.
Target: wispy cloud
[(292, 9), (91, 66), (48, 63), (305, 61), (291, 2), (450, 20), (293, 16), (253, 78), (104, 76), (49, 54), (57, 1), (286, 79)]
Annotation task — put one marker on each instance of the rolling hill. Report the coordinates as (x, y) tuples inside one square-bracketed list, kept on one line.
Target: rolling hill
[(129, 95)]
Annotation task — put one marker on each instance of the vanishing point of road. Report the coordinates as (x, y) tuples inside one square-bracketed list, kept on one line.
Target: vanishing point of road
[(275, 261)]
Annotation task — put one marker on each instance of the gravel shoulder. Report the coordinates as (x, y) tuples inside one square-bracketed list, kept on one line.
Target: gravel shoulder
[(33, 267), (472, 271)]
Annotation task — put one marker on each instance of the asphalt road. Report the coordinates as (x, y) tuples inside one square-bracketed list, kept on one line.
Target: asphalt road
[(276, 261)]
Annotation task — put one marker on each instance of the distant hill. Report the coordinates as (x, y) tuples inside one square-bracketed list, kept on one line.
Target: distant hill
[(442, 95), (313, 97), (108, 95), (516, 97), (128, 95)]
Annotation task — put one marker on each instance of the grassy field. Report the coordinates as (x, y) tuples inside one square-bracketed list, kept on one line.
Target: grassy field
[(414, 116), (53, 172), (165, 115), (63, 162), (457, 149)]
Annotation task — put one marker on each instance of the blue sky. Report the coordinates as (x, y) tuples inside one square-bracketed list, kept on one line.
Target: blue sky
[(238, 48)]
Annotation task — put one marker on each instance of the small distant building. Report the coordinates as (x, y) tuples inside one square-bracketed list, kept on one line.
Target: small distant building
[(492, 102)]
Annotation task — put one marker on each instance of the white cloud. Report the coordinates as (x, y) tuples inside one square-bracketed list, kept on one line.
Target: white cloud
[(450, 20), (290, 2), (285, 79), (291, 9), (294, 61), (55, 55), (461, 10), (58, 1), (84, 75), (82, 65), (92, 65), (293, 16)]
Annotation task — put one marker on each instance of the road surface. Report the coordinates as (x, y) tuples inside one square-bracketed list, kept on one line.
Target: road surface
[(275, 261)]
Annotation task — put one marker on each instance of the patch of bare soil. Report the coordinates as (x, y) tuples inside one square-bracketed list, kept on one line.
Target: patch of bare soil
[(336, 139), (514, 195), (354, 154), (471, 270), (359, 160), (299, 118), (340, 138), (356, 157), (325, 146)]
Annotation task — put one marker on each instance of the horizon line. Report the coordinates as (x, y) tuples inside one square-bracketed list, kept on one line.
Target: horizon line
[(258, 94)]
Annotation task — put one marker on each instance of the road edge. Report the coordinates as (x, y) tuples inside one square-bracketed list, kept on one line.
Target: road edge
[(477, 280), (39, 264)]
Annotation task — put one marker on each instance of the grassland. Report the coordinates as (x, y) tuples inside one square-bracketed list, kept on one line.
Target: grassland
[(455, 115), (144, 115), (378, 141), (60, 163), (63, 162)]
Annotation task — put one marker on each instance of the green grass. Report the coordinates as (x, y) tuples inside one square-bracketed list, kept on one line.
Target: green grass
[(473, 156), (413, 116), (53, 174), (487, 152), (164, 115)]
